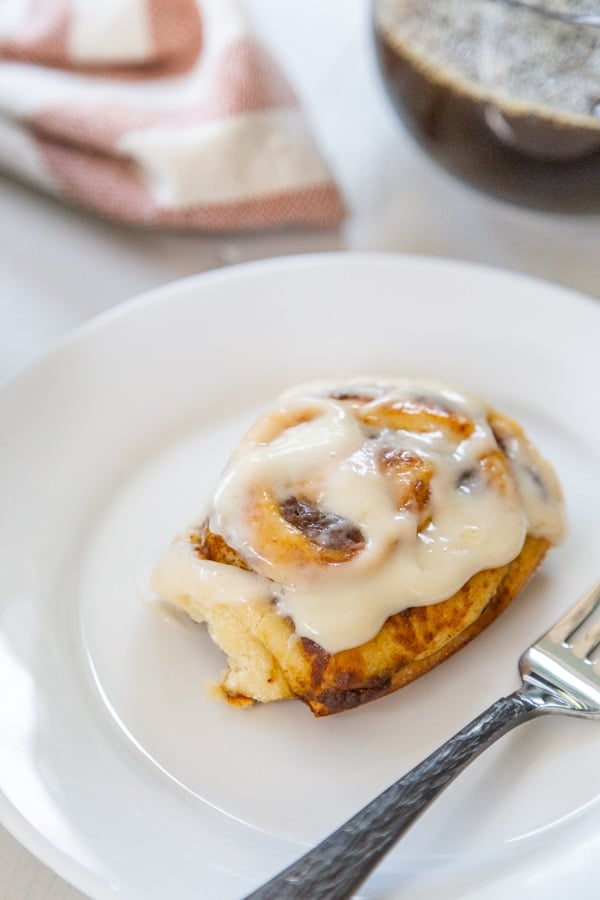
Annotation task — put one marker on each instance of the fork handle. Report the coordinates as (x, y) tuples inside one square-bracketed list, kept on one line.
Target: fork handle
[(340, 863)]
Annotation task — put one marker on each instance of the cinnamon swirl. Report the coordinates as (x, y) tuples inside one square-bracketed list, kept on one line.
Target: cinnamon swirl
[(360, 534)]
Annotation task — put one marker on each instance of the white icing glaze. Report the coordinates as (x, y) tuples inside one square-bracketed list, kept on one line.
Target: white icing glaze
[(332, 460), (180, 573)]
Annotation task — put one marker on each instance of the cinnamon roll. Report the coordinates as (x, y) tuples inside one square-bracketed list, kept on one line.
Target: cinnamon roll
[(360, 534)]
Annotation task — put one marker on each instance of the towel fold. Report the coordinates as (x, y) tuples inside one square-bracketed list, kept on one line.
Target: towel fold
[(158, 112)]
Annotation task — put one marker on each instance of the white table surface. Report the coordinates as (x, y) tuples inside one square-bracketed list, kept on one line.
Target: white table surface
[(59, 267)]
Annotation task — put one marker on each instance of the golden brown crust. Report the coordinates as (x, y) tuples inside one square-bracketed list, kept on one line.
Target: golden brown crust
[(290, 535), (408, 645), (418, 639)]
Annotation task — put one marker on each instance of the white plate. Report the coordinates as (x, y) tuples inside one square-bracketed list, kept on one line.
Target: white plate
[(115, 768)]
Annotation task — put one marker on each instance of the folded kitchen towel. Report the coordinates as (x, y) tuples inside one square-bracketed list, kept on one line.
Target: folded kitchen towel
[(158, 112)]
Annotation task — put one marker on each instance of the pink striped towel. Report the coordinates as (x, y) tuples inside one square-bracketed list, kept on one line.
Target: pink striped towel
[(158, 112)]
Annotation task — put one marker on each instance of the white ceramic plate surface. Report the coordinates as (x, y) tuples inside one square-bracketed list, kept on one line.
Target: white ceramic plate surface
[(115, 768)]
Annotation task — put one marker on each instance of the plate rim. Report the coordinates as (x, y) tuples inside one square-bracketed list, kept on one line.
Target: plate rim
[(304, 260), (16, 824)]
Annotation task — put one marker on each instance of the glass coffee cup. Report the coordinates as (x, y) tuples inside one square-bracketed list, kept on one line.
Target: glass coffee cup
[(503, 93)]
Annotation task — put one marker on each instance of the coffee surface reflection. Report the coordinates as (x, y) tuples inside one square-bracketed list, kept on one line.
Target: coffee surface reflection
[(503, 93)]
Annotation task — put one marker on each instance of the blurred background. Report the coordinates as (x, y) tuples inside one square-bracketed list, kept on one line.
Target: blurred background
[(59, 266)]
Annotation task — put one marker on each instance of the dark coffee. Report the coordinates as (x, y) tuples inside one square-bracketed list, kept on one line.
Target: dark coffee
[(538, 147)]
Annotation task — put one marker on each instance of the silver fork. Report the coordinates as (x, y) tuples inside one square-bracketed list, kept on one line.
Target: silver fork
[(559, 675)]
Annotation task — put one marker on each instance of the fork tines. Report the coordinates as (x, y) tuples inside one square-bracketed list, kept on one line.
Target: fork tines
[(570, 630)]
